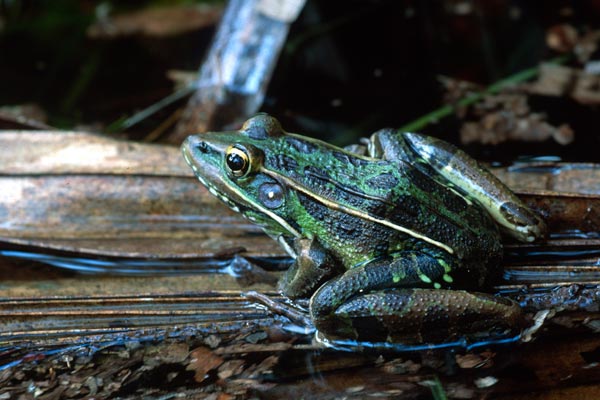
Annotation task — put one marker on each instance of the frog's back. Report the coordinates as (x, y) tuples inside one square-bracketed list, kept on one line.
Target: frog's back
[(451, 217), (369, 208)]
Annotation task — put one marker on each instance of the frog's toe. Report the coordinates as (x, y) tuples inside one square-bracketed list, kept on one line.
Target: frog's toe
[(522, 223)]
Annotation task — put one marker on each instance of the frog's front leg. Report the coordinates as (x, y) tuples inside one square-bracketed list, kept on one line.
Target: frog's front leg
[(372, 303), (312, 266), (464, 173)]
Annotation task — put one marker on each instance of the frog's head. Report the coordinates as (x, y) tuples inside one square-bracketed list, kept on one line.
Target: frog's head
[(231, 166)]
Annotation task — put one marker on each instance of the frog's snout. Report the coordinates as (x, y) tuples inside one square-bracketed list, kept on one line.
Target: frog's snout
[(198, 152), (199, 155), (193, 144)]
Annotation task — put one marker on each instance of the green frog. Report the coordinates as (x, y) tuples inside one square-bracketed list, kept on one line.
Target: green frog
[(388, 238)]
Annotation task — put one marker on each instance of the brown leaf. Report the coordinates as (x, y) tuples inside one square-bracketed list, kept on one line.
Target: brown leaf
[(202, 361), (254, 348), (475, 360), (166, 354), (231, 368), (562, 37), (558, 80), (506, 117)]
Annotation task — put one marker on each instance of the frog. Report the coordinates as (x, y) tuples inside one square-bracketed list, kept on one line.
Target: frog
[(394, 240)]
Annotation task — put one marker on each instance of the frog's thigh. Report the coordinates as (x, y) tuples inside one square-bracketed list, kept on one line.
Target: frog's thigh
[(423, 316), (405, 269), (464, 172)]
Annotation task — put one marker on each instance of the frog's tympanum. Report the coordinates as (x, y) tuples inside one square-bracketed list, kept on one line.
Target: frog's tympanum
[(386, 240)]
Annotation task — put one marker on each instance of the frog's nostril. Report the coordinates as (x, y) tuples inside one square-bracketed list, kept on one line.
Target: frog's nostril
[(202, 147)]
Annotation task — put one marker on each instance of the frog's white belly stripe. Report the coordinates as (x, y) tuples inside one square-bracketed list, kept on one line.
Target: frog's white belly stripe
[(355, 212)]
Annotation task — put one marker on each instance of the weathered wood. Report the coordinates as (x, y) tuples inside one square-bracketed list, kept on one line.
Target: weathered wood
[(137, 208)]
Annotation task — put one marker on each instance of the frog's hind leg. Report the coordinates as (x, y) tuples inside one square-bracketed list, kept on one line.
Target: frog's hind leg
[(465, 173), (430, 316), (375, 302)]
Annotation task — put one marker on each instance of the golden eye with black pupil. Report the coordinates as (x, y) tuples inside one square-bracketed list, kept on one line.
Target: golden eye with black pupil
[(237, 160)]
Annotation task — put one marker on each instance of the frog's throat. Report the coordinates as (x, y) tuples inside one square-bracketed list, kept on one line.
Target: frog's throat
[(354, 211)]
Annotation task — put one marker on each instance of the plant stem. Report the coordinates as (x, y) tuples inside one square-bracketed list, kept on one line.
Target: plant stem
[(442, 112)]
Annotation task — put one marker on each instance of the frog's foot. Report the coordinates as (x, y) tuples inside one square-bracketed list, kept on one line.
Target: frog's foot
[(248, 273), (417, 316), (287, 310)]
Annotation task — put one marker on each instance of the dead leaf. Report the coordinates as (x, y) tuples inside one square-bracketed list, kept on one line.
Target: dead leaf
[(231, 368), (506, 117), (561, 37), (166, 354), (475, 360), (202, 361)]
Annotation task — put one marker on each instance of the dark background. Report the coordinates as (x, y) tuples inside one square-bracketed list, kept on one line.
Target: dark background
[(349, 67)]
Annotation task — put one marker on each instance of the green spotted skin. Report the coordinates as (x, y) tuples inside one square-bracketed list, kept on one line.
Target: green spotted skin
[(375, 226)]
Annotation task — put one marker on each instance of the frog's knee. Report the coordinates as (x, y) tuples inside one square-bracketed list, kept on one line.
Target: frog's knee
[(438, 153)]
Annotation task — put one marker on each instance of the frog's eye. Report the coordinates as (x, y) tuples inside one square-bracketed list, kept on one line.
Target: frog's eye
[(237, 160), (241, 159)]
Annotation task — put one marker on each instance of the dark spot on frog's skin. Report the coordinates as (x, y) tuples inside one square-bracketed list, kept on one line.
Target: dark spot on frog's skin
[(301, 146), (316, 210), (348, 228), (294, 224), (451, 200), (381, 247), (406, 206), (368, 324), (383, 181), (345, 193), (283, 162), (317, 173), (421, 180), (343, 157), (348, 231), (348, 159)]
